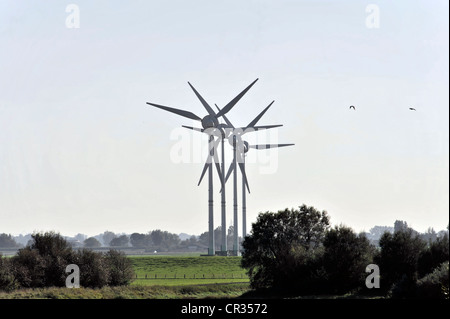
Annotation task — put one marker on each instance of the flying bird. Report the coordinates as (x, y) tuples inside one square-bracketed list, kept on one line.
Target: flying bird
[(352, 107), (412, 109)]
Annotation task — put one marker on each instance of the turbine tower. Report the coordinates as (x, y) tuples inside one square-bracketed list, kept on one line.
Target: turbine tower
[(209, 122)]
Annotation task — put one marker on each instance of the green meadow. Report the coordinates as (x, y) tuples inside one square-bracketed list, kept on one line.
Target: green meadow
[(182, 270)]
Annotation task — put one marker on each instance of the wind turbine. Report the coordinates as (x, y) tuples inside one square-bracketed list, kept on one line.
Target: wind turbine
[(223, 131), (209, 122), (241, 147)]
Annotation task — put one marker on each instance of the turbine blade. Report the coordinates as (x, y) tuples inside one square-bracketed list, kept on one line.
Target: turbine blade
[(265, 146), (256, 119), (230, 170), (203, 173), (244, 176), (258, 128), (265, 127), (222, 182), (187, 114), (205, 104), (225, 118), (229, 106), (193, 128), (216, 160)]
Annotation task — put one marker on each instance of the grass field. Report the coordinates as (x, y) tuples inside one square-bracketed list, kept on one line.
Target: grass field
[(176, 270)]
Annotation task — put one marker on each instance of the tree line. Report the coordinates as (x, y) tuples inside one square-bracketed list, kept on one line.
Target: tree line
[(164, 241), (159, 240), (297, 251), (153, 240)]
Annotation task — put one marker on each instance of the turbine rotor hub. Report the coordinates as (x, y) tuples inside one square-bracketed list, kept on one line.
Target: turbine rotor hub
[(209, 121)]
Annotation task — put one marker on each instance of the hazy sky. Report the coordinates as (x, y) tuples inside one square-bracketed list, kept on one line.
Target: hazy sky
[(81, 152)]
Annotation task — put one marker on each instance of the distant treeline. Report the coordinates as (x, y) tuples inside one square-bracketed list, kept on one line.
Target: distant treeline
[(165, 241), (158, 240)]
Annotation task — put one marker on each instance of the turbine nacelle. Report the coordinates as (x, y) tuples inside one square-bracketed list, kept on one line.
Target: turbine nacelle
[(210, 121)]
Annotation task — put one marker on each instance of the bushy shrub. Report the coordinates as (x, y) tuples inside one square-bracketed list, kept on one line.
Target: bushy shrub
[(435, 254), (120, 268), (345, 259), (43, 264), (398, 258), (404, 288), (6, 276), (436, 284), (94, 272), (29, 268), (309, 275)]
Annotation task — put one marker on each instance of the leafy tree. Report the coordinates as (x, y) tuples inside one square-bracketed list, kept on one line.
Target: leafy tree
[(43, 262), (55, 253), (120, 241), (50, 244), (7, 241), (120, 268), (80, 237), (429, 236), (140, 240), (164, 239), (193, 240), (107, 237), (278, 243), (29, 268), (435, 285), (346, 257), (94, 272), (398, 258), (400, 225), (6, 275), (91, 242), (157, 237), (435, 254), (204, 238), (377, 231)]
